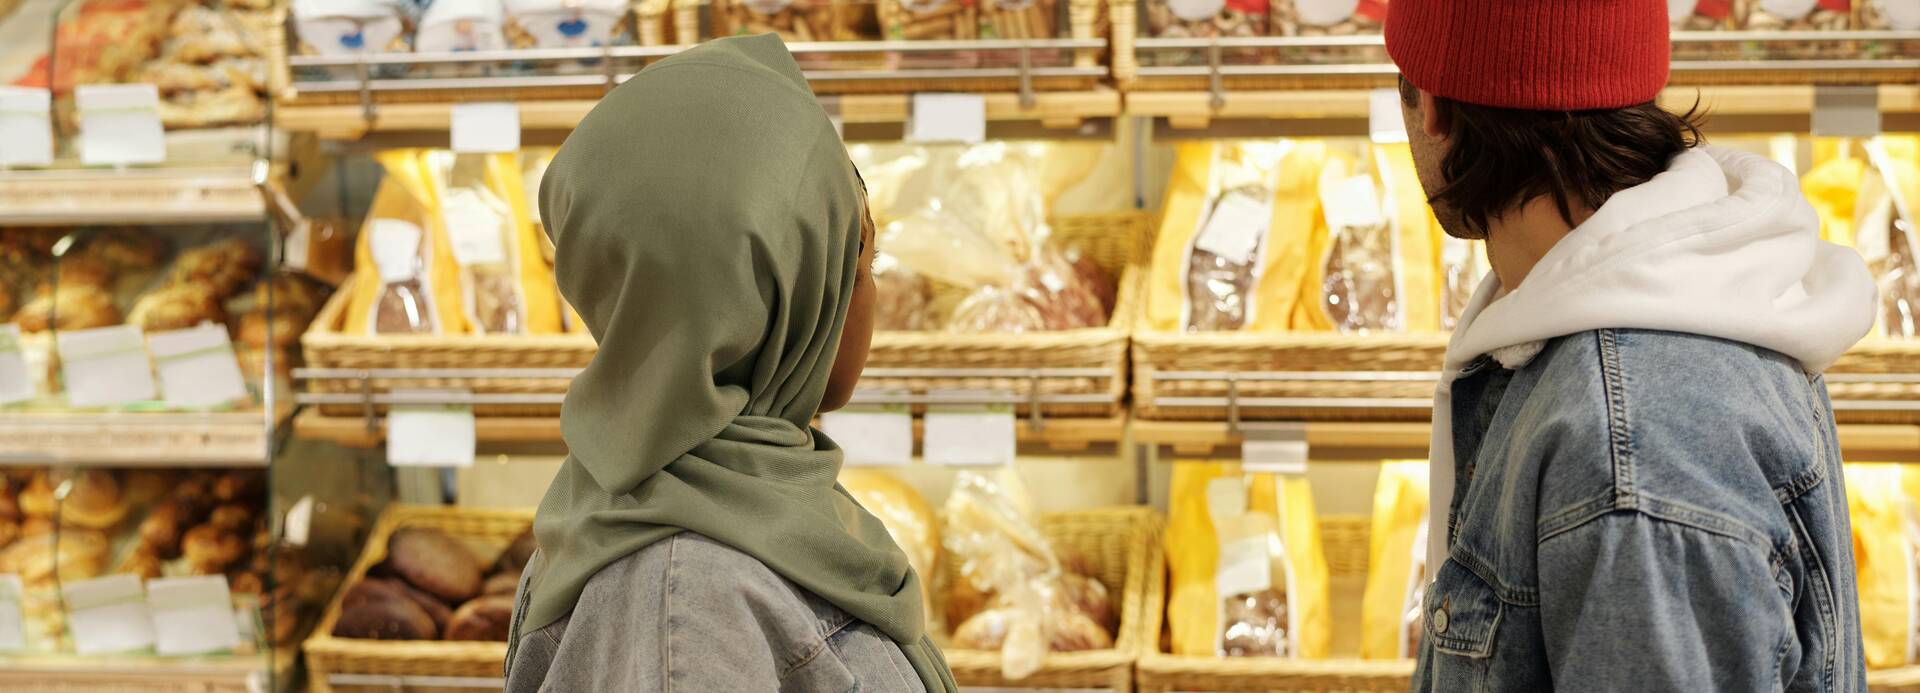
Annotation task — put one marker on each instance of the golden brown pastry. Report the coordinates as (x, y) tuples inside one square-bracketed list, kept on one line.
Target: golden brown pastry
[(160, 531), (505, 582), (144, 487), (1067, 631), (9, 501), (239, 486), (209, 549), (196, 491), (82, 554), (141, 562), (374, 608), (123, 249), (36, 498), (517, 553), (94, 502), (435, 562), (74, 306), (232, 517), (254, 330), (177, 307), (9, 531), (9, 301), (485, 618), (81, 269), (245, 582), (292, 294), (36, 526), (225, 267)]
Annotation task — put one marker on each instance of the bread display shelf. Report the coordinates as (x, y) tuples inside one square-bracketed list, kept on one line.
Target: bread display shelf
[(69, 197), (134, 674), (135, 439), (1372, 442)]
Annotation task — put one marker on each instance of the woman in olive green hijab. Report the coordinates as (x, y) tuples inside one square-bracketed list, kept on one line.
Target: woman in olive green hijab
[(713, 235)]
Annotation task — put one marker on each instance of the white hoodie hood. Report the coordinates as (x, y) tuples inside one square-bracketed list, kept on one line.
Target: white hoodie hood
[(1722, 244)]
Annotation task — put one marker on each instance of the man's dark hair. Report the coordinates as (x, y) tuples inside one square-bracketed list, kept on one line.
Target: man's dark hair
[(1502, 157)]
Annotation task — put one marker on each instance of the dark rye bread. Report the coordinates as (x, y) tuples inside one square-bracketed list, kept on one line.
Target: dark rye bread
[(486, 618), (436, 563), (378, 609)]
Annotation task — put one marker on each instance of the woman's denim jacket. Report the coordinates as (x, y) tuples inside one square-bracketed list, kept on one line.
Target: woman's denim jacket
[(1644, 511)]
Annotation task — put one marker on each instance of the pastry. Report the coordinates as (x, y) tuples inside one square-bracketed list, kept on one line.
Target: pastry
[(372, 611), (36, 498), (177, 307), (209, 549), (161, 530), (254, 330), (292, 294), (1066, 631), (141, 562), (196, 492), (435, 562), (36, 526), (517, 554), (1087, 596), (224, 267), (239, 486), (231, 517), (144, 487), (72, 307), (9, 502), (9, 531), (83, 269), (485, 618), (123, 249), (82, 554), (245, 582), (504, 582), (94, 501)]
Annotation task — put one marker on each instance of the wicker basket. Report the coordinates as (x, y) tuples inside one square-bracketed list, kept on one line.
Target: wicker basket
[(1123, 547), (1111, 240), (488, 531), (1415, 357), (1345, 542)]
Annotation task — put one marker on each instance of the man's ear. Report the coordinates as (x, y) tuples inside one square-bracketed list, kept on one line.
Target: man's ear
[(1433, 118)]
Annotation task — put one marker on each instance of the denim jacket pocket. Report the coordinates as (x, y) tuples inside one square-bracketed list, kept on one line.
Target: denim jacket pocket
[(1462, 613)]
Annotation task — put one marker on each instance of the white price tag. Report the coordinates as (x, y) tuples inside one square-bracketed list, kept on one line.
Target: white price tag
[(872, 436), (970, 436), (1279, 449), (1245, 566), (120, 124), (108, 615), (16, 382), (26, 127), (948, 118), (1384, 120), (1235, 227), (192, 615), (486, 128), (298, 246), (430, 435), (475, 227), (13, 628), (299, 523), (105, 366), (197, 366)]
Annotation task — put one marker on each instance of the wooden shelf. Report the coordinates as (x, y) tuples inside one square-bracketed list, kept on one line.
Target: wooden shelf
[(157, 439), (1376, 441), (75, 197), (213, 674)]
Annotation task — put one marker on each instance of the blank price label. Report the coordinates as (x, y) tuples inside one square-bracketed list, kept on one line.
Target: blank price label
[(108, 615), (120, 124), (872, 436), (192, 615), (1384, 121), (1274, 449), (16, 385), (970, 436), (13, 629), (26, 127), (197, 367), (486, 128), (430, 435), (948, 118), (105, 366)]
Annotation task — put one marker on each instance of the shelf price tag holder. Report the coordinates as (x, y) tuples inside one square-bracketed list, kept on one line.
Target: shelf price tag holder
[(430, 435), (948, 118), (970, 435), (872, 435), (192, 615), (13, 625), (1845, 111), (26, 127), (491, 127), (105, 366), (1273, 448), (108, 615), (120, 124), (197, 367), (16, 382)]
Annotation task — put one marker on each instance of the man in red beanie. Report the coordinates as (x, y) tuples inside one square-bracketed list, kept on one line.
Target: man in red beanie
[(1636, 479)]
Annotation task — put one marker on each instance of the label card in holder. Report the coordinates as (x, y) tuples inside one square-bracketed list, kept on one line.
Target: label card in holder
[(475, 227), (970, 435), (108, 615), (197, 366), (1245, 567), (1384, 121), (1274, 449), (192, 615), (120, 124), (1235, 227), (105, 366), (13, 626), (485, 128), (948, 118), (872, 436), (26, 127), (430, 435), (16, 382)]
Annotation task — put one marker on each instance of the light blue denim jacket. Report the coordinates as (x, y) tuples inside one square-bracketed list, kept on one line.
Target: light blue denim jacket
[(1644, 511)]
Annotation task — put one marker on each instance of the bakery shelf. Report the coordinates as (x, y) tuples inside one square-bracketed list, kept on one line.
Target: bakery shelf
[(173, 195), (1368, 442), (134, 674), (135, 439)]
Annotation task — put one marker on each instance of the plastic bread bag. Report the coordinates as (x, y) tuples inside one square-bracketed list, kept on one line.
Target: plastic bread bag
[(450, 26), (1000, 190), (902, 294), (1376, 268), (931, 20), (406, 283), (1888, 15), (1246, 570), (1330, 18), (993, 308), (505, 286), (999, 551), (908, 519), (1700, 15), (346, 27), (1463, 263), (1884, 232), (800, 21), (889, 172), (1887, 578), (1223, 261), (1397, 556), (1794, 15), (1061, 293), (1203, 19), (565, 23)]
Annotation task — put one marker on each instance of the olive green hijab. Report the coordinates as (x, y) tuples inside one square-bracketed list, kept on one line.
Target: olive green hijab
[(706, 224)]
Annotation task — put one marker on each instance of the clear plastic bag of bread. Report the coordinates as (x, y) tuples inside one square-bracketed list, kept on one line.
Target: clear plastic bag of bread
[(1256, 609), (404, 305), (1203, 19), (1796, 15), (1359, 290), (1062, 293), (1886, 235), (903, 296), (795, 21), (931, 20), (1463, 263), (1223, 257), (481, 228)]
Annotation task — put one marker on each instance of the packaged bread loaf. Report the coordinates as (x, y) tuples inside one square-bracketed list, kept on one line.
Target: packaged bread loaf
[(345, 27), (407, 282), (505, 285), (1882, 15), (461, 25), (1886, 539), (1864, 193), (1001, 554), (1374, 258), (1247, 575), (1396, 564), (795, 21), (1203, 19), (1020, 19), (1463, 264), (565, 23)]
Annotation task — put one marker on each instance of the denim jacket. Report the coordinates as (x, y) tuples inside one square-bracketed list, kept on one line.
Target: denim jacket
[(1643, 511)]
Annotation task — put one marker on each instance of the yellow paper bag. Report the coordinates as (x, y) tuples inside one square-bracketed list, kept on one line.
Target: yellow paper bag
[(407, 282), (1397, 551), (1883, 558), (1255, 537)]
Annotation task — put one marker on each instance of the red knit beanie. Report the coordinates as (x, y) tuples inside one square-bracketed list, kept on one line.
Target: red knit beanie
[(1541, 55)]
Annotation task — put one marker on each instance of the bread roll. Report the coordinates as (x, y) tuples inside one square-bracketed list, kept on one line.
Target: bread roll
[(517, 554), (380, 612), (504, 582), (486, 618), (432, 561)]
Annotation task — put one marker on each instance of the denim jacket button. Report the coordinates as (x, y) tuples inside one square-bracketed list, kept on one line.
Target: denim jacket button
[(1440, 620)]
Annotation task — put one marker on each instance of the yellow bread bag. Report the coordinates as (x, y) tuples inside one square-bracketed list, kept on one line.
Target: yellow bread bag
[(1883, 556), (1863, 191), (1396, 563), (1248, 574), (407, 282), (1375, 263), (1230, 253), (505, 287)]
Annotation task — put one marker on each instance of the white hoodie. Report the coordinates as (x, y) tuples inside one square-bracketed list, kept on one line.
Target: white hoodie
[(1721, 244)]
